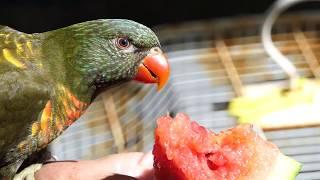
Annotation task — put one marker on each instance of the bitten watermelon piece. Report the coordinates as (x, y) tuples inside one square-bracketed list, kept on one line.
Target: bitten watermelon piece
[(184, 150)]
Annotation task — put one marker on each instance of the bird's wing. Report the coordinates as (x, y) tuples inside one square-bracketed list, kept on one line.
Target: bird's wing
[(23, 93), (18, 50)]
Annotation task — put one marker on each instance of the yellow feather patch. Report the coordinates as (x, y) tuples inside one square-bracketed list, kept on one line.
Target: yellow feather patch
[(11, 59), (19, 49), (19, 46), (7, 40), (29, 45), (35, 129)]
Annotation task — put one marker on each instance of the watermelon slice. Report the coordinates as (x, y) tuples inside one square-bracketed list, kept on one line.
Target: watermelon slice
[(184, 150)]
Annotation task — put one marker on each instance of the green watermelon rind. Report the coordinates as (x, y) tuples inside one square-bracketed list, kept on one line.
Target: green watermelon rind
[(285, 168)]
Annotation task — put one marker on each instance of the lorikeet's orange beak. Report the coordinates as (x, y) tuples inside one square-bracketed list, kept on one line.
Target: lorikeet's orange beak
[(154, 69)]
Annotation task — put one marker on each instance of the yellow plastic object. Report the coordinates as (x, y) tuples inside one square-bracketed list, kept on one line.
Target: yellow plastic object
[(278, 108)]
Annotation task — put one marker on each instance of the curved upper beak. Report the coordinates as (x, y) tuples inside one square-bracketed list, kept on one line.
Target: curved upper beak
[(154, 69)]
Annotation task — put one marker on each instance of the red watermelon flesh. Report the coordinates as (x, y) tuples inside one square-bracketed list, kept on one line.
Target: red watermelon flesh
[(184, 150)]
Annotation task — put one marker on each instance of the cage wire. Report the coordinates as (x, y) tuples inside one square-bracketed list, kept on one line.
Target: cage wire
[(210, 62)]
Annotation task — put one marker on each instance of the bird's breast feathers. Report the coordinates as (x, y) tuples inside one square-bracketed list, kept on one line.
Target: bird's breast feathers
[(57, 115)]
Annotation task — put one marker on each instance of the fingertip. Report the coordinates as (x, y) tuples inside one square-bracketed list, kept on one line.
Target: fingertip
[(147, 160), (146, 163)]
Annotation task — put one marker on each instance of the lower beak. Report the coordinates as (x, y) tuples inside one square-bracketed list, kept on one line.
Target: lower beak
[(154, 69)]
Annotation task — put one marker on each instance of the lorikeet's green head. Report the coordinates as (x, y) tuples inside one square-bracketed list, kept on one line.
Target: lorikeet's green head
[(111, 50)]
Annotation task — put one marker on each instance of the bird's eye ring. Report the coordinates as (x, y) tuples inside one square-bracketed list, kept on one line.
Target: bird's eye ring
[(122, 43)]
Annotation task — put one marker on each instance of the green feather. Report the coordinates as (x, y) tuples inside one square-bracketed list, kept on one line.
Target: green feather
[(35, 68)]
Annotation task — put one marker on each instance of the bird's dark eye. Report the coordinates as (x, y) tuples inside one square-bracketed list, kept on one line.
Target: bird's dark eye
[(122, 43)]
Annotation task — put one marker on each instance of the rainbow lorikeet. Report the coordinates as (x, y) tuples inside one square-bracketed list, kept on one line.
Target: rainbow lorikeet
[(48, 79)]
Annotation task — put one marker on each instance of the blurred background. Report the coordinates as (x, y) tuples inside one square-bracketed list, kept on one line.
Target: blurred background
[(43, 15), (214, 49)]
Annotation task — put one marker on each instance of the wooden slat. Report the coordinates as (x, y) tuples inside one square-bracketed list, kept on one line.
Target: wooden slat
[(307, 52), (226, 60), (113, 121)]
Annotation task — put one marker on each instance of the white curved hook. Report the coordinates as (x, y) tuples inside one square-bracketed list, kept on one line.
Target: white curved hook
[(277, 8)]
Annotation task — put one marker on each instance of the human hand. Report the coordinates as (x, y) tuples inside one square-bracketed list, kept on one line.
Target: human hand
[(124, 166)]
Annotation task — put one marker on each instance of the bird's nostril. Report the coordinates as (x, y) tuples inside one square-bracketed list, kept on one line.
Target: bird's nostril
[(155, 50)]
